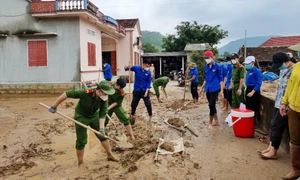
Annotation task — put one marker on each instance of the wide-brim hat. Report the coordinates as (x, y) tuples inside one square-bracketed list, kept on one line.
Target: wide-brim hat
[(106, 87)]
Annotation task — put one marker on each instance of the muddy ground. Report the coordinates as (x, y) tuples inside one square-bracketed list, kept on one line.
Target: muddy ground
[(35, 144)]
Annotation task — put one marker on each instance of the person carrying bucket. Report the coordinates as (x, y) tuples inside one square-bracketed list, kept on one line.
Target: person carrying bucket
[(253, 84), (90, 110), (279, 123), (212, 85), (237, 82), (115, 106)]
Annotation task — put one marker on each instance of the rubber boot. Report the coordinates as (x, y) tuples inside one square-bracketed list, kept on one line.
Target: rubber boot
[(110, 156), (295, 159), (79, 156)]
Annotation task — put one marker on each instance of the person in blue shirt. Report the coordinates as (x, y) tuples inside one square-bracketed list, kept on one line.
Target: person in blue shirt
[(227, 81), (142, 85), (253, 83), (212, 85), (107, 71), (194, 81), (224, 73)]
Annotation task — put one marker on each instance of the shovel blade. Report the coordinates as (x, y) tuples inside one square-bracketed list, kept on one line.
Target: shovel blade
[(121, 137)]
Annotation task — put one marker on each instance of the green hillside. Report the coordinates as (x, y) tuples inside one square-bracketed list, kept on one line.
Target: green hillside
[(154, 38)]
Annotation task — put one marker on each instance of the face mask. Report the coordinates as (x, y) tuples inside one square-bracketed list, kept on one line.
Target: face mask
[(283, 66), (248, 66), (233, 61), (208, 61), (192, 68), (147, 69), (226, 63), (104, 98), (104, 65)]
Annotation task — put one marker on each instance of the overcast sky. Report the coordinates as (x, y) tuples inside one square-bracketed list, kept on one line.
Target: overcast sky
[(259, 17)]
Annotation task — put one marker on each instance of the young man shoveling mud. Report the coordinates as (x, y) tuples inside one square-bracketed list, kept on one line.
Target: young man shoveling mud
[(90, 110), (115, 106), (162, 81), (142, 85)]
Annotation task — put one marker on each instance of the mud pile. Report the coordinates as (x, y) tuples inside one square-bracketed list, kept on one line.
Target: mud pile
[(176, 122)]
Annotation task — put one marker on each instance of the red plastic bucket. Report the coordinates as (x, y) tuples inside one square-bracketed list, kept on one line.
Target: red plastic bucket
[(243, 122)]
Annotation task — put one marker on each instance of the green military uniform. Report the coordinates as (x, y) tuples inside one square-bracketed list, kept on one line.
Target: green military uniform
[(88, 111), (162, 81), (238, 73), (118, 97)]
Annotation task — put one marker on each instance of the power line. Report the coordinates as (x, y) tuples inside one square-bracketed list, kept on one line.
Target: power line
[(173, 4), (17, 15)]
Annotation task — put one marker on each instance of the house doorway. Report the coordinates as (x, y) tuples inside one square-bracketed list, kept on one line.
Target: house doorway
[(110, 58)]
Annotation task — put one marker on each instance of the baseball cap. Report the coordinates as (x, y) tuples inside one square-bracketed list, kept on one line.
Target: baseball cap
[(278, 59), (234, 55), (249, 60), (208, 54), (106, 87), (228, 58)]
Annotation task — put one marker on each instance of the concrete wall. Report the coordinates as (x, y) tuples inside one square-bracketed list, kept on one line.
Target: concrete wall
[(124, 50), (89, 72), (265, 117), (63, 49)]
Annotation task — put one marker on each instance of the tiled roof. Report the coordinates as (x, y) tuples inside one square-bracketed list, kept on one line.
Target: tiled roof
[(127, 23), (265, 53), (281, 41)]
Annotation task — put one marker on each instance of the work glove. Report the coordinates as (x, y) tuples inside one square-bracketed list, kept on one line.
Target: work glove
[(52, 109)]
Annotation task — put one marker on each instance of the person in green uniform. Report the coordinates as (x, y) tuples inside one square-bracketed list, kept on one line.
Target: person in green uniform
[(90, 110), (162, 81), (115, 106), (237, 82)]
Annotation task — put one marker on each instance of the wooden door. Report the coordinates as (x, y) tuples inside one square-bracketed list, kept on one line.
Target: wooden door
[(113, 58)]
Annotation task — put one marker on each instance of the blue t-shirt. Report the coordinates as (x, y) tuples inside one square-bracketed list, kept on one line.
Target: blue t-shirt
[(254, 78), (107, 72), (142, 78), (224, 70), (213, 77), (194, 72)]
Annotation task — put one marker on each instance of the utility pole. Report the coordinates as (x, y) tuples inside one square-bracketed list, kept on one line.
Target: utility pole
[(245, 49)]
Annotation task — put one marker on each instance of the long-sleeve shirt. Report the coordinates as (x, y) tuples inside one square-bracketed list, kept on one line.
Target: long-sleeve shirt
[(284, 76), (107, 72), (88, 105), (213, 77), (162, 81), (118, 97), (254, 78), (228, 75), (224, 70), (194, 72), (292, 94), (142, 78)]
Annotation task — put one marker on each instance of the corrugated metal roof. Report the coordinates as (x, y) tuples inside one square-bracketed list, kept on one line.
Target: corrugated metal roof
[(164, 54), (195, 47), (127, 23)]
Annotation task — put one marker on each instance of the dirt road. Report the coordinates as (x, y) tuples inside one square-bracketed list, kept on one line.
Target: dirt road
[(36, 145)]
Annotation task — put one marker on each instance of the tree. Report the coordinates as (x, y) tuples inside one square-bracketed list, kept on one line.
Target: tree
[(226, 53), (191, 33), (149, 48)]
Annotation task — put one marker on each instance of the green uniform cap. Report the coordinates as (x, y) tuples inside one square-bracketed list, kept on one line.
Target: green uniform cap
[(106, 87)]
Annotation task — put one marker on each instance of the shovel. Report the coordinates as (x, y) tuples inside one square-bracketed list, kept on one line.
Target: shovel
[(192, 131), (120, 137), (119, 143)]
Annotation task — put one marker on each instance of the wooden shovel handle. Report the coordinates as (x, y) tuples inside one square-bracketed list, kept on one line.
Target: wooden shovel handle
[(79, 123), (192, 131)]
